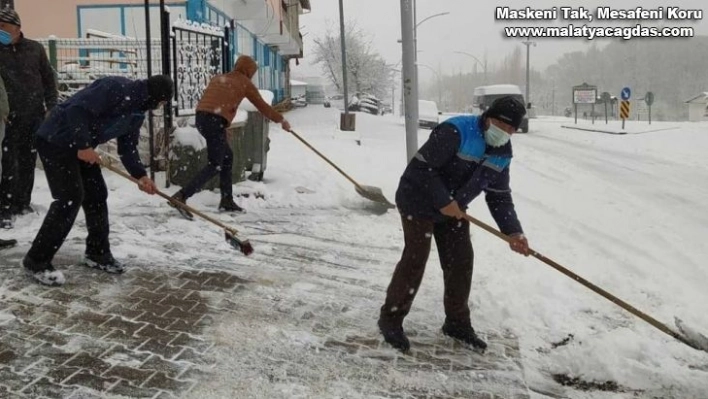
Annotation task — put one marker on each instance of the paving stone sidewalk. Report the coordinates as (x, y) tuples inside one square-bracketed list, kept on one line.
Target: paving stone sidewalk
[(145, 335), (139, 335)]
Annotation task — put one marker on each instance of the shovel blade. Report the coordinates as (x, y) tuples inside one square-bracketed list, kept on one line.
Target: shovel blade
[(691, 336), (242, 245), (374, 194)]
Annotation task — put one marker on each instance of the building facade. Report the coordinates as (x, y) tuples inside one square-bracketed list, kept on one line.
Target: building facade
[(267, 30)]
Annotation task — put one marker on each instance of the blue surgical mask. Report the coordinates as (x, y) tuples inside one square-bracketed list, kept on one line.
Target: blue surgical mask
[(495, 136), (5, 37)]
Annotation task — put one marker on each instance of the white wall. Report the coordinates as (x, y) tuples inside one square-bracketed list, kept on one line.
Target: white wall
[(698, 112), (298, 91)]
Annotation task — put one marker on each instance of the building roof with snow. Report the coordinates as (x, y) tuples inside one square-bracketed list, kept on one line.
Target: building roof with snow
[(700, 99)]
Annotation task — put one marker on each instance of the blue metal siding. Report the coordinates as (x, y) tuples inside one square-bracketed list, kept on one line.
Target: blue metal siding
[(195, 10)]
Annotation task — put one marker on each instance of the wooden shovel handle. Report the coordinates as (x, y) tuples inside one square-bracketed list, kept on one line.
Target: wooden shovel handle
[(624, 305), (326, 159), (112, 168)]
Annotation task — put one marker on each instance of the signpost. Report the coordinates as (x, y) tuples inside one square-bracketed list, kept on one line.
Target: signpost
[(649, 99), (624, 105), (584, 94), (606, 99)]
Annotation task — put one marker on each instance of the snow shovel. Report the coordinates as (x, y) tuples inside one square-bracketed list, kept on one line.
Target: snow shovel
[(230, 234), (686, 335), (369, 192)]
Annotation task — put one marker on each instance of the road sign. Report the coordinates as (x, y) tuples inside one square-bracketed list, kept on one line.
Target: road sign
[(624, 109), (626, 93), (606, 99), (649, 98), (584, 94)]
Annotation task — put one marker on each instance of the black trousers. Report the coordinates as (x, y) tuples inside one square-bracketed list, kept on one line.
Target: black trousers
[(74, 184), (221, 159), (456, 258), (18, 162)]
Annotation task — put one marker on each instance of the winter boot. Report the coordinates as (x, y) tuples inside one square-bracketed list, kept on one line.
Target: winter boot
[(5, 244), (395, 336), (464, 332), (105, 262), (179, 196), (6, 220), (43, 272), (26, 210), (227, 204)]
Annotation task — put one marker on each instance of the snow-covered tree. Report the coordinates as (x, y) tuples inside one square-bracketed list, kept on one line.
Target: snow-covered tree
[(367, 70)]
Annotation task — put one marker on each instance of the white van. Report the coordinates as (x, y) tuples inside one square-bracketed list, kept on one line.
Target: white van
[(428, 115), (484, 96)]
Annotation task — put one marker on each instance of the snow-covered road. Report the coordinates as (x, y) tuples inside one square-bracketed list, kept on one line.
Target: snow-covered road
[(628, 212)]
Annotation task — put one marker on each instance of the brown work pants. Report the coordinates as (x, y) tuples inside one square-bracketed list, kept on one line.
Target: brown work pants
[(452, 238)]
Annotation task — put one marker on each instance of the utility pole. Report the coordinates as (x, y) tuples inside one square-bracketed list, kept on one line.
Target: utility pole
[(410, 81), (415, 49), (440, 88), (148, 49), (347, 122), (528, 44)]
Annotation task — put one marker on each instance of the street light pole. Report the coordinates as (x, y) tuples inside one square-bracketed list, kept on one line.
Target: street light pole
[(528, 44), (484, 66), (415, 18), (409, 77), (346, 122)]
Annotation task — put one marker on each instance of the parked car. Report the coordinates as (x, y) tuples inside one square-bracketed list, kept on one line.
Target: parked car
[(428, 114), (484, 96), (365, 103), (337, 98), (299, 102)]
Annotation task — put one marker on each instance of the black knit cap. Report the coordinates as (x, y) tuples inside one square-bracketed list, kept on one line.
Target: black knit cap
[(10, 16), (507, 109), (159, 89)]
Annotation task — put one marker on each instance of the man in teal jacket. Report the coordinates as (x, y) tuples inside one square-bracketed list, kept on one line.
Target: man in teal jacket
[(464, 156)]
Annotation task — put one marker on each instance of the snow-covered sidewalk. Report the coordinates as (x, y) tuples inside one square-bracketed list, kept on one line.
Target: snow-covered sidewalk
[(297, 319)]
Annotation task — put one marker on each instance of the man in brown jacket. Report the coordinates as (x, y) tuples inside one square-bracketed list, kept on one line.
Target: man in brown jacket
[(215, 111)]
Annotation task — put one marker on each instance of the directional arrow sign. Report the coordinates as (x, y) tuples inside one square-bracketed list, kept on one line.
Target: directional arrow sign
[(626, 93)]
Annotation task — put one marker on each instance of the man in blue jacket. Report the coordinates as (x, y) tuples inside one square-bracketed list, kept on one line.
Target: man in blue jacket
[(464, 156), (109, 108)]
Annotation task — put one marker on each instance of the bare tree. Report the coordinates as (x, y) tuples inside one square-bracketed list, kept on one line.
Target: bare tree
[(367, 70)]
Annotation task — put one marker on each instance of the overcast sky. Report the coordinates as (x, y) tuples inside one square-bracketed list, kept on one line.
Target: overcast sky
[(470, 27)]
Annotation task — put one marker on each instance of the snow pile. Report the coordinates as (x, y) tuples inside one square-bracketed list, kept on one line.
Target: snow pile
[(246, 104), (197, 27), (189, 136)]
